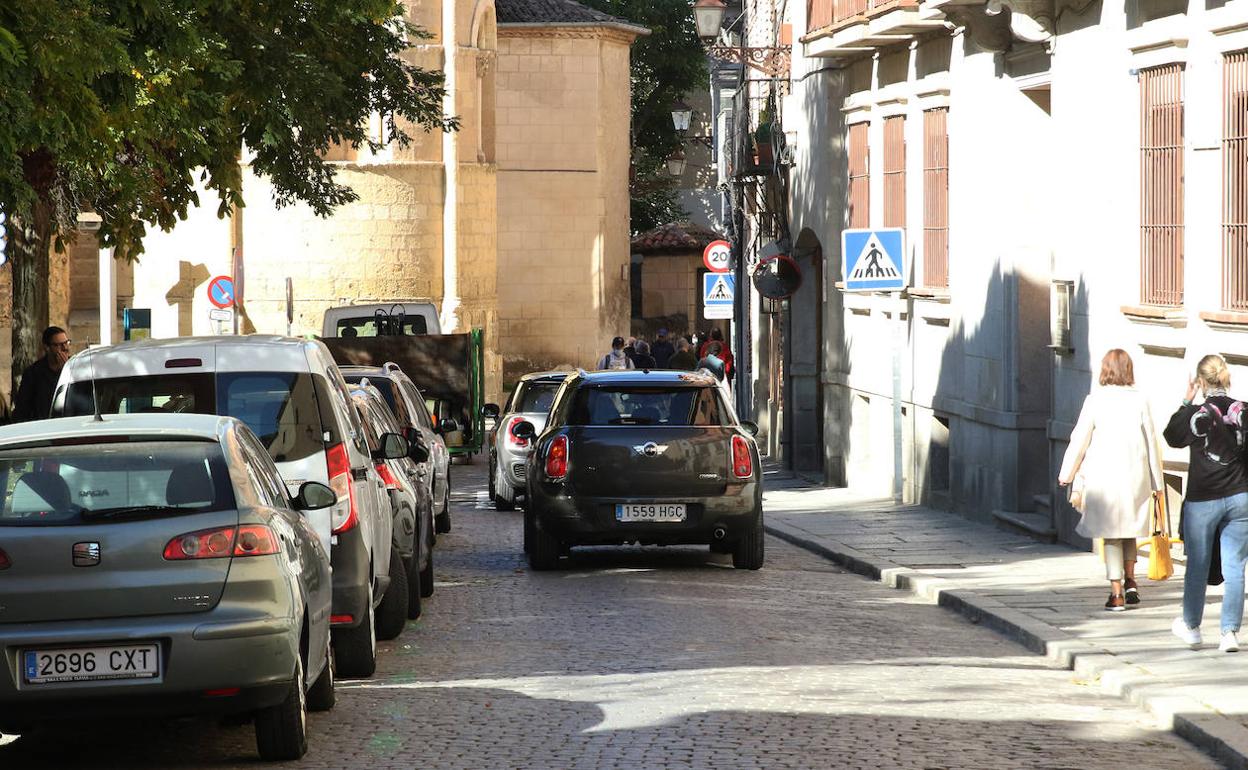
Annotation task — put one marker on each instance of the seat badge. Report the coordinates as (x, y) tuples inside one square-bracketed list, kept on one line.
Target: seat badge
[(650, 449), (86, 554)]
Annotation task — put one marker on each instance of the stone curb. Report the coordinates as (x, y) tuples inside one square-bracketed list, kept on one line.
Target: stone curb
[(1224, 739)]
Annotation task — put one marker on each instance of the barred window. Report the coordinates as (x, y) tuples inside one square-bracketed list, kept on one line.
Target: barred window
[(859, 177), (895, 171), (936, 197), (1235, 181), (1161, 185)]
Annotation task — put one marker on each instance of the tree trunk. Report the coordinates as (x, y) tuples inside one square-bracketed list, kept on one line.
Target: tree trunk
[(29, 244)]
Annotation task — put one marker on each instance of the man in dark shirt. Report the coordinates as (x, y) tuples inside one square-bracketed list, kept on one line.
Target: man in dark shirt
[(34, 395), (662, 349)]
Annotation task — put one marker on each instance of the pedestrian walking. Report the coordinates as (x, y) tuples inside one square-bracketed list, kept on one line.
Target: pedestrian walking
[(712, 362), (34, 395), (616, 359), (1113, 466), (630, 349), (1216, 499), (642, 358), (683, 358), (662, 350), (725, 353)]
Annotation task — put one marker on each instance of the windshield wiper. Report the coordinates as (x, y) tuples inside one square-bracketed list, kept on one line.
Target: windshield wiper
[(131, 510)]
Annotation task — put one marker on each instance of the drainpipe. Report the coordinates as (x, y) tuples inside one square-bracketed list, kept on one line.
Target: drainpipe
[(450, 173)]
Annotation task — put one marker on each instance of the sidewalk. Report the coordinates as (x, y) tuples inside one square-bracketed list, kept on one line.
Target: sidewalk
[(1048, 597)]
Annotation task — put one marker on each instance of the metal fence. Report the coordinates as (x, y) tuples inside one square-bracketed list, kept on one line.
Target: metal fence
[(895, 171), (1235, 181), (936, 197), (1161, 185), (859, 176)]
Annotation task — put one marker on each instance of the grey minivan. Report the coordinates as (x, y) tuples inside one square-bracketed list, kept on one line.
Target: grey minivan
[(157, 565)]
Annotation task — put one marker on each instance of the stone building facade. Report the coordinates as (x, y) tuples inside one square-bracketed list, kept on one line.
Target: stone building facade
[(517, 223)]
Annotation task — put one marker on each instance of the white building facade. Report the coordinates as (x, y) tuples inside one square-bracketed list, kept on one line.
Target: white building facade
[(1031, 151)]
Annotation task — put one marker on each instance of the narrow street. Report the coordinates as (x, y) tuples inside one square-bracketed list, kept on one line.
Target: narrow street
[(653, 658)]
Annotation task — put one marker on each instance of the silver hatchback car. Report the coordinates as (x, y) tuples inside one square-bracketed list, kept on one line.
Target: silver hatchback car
[(529, 402), (155, 564)]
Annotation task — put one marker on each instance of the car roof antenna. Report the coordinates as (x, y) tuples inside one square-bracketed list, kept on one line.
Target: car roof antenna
[(95, 397)]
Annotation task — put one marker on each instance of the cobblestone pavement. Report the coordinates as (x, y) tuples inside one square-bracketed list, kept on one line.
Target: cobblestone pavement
[(668, 658)]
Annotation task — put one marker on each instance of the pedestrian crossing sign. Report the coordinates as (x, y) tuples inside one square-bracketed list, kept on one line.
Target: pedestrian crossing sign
[(718, 292), (874, 260)]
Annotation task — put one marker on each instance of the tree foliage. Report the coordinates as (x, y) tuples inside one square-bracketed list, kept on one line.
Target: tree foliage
[(667, 64), (125, 106)]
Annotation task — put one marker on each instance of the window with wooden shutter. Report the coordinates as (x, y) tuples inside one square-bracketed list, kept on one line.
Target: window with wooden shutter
[(895, 171), (1161, 185), (1235, 181), (859, 177), (936, 197)]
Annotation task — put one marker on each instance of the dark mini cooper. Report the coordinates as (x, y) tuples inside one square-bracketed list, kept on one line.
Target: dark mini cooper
[(648, 457)]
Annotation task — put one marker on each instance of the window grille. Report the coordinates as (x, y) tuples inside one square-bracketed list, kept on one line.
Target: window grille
[(843, 10), (1161, 185), (936, 197), (1235, 181), (818, 14), (859, 177), (895, 171)]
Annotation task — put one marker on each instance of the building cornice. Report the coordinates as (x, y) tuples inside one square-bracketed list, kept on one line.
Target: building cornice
[(620, 33)]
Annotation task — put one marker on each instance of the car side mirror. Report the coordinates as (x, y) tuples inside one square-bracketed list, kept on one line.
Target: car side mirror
[(524, 430), (417, 451), (490, 411), (750, 427), (313, 496), (448, 425), (393, 447)]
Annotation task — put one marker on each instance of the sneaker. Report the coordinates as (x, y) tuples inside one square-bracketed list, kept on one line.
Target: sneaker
[(1229, 642), (1132, 591), (1190, 636), (1115, 603)]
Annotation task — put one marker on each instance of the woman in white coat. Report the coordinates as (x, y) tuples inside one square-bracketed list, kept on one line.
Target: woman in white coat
[(1114, 463)]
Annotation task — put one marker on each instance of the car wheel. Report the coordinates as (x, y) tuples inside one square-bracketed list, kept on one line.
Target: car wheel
[(392, 612), (414, 592), (505, 497), (544, 549), (321, 696), (426, 576), (748, 551), (442, 522), (493, 470), (281, 730), (356, 648), (528, 530)]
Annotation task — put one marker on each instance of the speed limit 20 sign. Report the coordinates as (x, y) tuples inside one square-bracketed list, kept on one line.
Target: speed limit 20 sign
[(717, 256)]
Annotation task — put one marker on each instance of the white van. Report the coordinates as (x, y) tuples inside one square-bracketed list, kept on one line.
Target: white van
[(293, 397), (381, 319)]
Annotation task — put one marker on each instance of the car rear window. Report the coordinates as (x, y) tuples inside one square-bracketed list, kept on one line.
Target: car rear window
[(89, 483), (537, 397), (639, 405), (281, 408), (383, 326)]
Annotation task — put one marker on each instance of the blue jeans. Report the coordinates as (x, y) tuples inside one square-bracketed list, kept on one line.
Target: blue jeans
[(1200, 526)]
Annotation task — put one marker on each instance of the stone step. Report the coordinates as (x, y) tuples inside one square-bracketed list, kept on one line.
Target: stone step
[(1037, 525)]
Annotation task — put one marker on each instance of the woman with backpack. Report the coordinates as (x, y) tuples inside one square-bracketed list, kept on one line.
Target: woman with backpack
[(1217, 497), (1113, 466)]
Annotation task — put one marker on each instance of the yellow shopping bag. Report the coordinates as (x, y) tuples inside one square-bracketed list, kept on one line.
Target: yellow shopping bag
[(1160, 565)]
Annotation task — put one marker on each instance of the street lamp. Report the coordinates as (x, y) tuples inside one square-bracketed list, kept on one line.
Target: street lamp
[(676, 164), (681, 115), (708, 15)]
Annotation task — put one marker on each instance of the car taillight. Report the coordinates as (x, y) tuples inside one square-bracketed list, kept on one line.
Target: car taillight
[(557, 459), (247, 540), (387, 476), (742, 462), (5, 563), (343, 516), (512, 438)]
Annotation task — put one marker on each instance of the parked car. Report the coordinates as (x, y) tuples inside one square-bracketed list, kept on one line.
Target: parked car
[(292, 396), (156, 564), (654, 457), (530, 401), (409, 498), (411, 410), (381, 320)]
